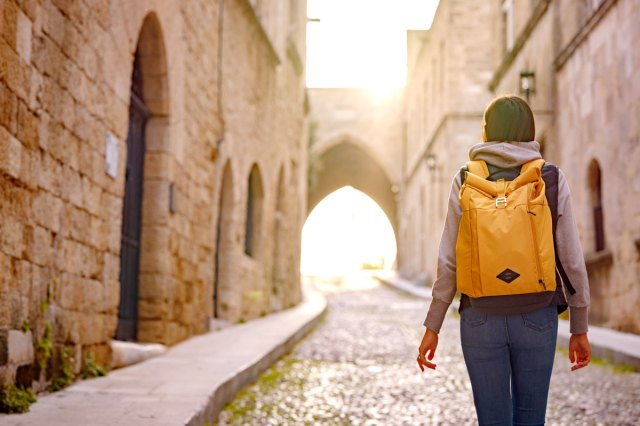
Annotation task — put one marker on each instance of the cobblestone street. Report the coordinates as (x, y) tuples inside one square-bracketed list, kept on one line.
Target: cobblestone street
[(357, 367)]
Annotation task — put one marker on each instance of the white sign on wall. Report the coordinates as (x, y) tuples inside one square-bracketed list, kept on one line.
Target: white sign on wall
[(111, 156)]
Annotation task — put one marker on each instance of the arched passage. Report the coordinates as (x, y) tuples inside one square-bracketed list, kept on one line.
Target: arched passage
[(346, 164), (144, 225)]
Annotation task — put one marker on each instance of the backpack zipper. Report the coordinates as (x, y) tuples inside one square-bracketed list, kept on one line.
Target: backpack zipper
[(535, 242)]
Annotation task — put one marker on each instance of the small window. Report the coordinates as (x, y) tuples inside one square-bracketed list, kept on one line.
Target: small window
[(595, 189), (254, 212)]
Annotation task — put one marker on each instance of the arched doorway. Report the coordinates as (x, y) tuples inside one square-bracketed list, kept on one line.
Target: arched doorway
[(224, 246), (148, 115), (347, 163), (132, 210)]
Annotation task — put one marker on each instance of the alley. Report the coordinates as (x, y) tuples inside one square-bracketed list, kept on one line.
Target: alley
[(357, 367)]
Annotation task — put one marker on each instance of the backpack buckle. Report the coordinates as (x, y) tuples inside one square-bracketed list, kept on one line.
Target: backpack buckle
[(501, 200)]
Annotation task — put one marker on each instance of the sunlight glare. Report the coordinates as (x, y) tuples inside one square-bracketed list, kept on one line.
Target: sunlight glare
[(345, 231), (362, 43)]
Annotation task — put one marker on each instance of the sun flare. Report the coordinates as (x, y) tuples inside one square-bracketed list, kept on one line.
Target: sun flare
[(346, 232)]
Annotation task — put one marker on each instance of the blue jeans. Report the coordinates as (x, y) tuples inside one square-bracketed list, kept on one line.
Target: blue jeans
[(509, 359)]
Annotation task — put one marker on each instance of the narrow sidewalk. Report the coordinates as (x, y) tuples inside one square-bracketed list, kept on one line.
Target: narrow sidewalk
[(612, 345), (189, 384)]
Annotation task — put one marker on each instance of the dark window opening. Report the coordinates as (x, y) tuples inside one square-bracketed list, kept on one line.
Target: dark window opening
[(595, 187)]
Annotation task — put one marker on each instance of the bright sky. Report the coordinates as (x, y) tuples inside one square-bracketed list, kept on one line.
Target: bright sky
[(362, 43), (342, 232)]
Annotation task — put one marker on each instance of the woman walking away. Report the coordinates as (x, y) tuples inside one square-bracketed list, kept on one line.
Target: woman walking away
[(510, 246)]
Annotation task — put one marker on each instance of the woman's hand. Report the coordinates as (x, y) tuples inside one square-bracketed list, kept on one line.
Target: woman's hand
[(429, 344), (579, 351)]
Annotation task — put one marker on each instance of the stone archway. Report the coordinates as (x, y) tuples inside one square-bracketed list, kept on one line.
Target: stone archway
[(345, 163), (145, 231)]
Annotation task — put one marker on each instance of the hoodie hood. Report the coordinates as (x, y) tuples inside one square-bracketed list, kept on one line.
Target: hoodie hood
[(505, 154)]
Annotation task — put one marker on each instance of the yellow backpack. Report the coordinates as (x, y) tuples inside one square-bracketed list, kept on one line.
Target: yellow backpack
[(505, 239)]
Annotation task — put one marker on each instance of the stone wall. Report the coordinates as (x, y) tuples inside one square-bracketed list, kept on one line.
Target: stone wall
[(220, 90), (598, 104)]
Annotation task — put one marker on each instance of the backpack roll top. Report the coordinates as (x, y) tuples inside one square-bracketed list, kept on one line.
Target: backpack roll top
[(505, 238)]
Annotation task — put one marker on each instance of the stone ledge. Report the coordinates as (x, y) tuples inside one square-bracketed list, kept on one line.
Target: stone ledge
[(599, 259), (129, 353), (186, 386)]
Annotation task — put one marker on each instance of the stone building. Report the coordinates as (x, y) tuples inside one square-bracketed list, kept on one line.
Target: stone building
[(152, 171), (575, 63)]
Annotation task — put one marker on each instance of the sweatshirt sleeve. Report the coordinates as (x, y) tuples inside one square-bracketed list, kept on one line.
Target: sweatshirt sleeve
[(444, 287), (572, 259)]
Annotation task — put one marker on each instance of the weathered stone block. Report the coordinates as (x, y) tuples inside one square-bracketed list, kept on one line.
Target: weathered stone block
[(40, 248), (91, 328), (155, 259), (151, 331), (29, 126), (53, 22), (67, 326), (155, 286), (156, 202), (23, 36), (10, 21), (153, 309), (158, 165), (47, 210), (93, 300), (8, 109), (79, 223), (20, 347), (13, 70), (10, 154), (111, 296), (16, 347), (11, 236), (98, 234), (70, 294), (114, 225)]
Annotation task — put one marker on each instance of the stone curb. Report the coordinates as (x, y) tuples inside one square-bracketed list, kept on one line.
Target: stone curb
[(612, 345), (189, 384), (316, 304)]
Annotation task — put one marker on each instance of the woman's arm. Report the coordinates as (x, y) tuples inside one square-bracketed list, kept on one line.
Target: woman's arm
[(572, 258), (444, 287)]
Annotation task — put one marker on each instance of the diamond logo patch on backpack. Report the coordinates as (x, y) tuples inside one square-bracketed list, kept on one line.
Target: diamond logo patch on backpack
[(508, 275)]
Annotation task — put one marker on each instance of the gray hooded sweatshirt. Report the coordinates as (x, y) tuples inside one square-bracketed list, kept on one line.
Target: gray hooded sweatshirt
[(506, 155)]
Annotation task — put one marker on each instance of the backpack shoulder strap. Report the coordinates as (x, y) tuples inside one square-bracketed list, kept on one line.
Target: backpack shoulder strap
[(478, 168), (550, 175)]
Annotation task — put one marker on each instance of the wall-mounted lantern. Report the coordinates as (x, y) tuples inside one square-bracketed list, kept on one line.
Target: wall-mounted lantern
[(430, 161), (527, 84)]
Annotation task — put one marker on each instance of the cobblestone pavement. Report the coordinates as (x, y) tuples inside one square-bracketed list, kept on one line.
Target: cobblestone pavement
[(357, 367)]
